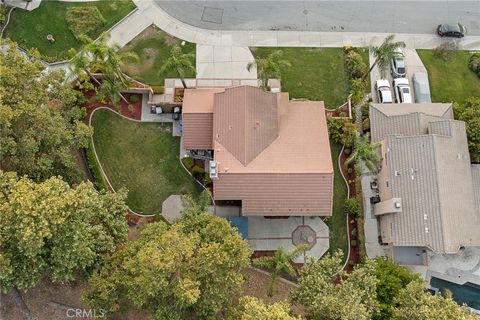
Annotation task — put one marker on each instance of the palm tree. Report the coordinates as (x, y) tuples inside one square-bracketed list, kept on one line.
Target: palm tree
[(364, 152), (279, 263), (98, 56), (269, 67), (179, 62), (384, 53)]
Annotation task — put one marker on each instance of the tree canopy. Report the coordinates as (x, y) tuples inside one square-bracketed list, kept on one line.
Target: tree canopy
[(251, 308), (50, 229), (190, 268), (40, 119), (270, 67), (470, 113)]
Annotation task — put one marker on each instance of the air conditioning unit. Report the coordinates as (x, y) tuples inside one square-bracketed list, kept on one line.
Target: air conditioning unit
[(213, 170), (397, 205)]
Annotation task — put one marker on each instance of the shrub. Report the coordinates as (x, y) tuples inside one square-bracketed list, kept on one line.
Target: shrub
[(353, 243), (342, 131), (366, 124), (446, 51), (355, 65), (351, 206), (357, 89), (474, 63), (188, 163), (354, 232), (206, 179), (158, 89), (84, 20), (351, 263), (198, 172), (134, 98), (131, 108)]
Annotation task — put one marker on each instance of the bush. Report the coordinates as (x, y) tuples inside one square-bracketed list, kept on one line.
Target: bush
[(351, 206), (131, 108), (474, 63), (84, 20), (354, 232), (198, 172), (446, 51), (355, 65), (158, 89), (342, 131), (353, 243), (133, 98), (357, 89), (188, 163), (351, 263)]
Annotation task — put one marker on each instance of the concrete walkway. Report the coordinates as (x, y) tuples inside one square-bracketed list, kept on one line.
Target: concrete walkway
[(215, 62)]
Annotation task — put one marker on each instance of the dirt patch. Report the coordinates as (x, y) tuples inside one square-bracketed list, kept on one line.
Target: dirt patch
[(256, 286), (169, 40), (148, 33)]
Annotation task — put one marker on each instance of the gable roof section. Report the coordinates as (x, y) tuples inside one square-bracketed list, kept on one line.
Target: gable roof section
[(405, 119), (197, 118), (245, 121), (432, 175)]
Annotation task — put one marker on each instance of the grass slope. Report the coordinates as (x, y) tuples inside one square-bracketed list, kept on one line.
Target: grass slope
[(30, 28), (450, 81), (142, 157), (338, 223), (315, 74), (153, 47)]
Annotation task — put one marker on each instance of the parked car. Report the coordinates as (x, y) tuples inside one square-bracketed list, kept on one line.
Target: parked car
[(451, 30), (383, 91), (403, 94), (397, 64), (421, 87)]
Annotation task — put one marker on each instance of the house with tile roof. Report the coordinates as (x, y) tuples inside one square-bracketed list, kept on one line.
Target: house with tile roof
[(429, 191), (271, 155)]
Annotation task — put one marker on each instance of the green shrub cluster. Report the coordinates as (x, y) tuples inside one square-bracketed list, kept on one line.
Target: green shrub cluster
[(342, 130), (474, 63), (84, 20), (188, 163), (351, 206), (354, 64), (158, 89)]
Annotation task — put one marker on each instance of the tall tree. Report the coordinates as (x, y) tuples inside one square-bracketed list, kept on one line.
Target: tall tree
[(269, 67), (414, 303), (50, 229), (98, 56), (364, 153), (470, 113), (40, 119), (179, 62), (352, 297), (191, 268), (278, 264), (251, 308), (384, 53), (392, 278)]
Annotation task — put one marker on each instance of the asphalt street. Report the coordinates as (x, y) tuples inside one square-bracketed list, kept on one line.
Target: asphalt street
[(407, 16)]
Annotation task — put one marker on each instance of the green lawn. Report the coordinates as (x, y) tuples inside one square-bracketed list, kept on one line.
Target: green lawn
[(338, 223), (143, 157), (30, 28), (153, 47), (315, 74), (450, 81)]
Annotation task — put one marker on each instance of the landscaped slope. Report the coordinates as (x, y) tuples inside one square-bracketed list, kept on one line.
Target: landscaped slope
[(142, 157), (452, 80), (30, 28)]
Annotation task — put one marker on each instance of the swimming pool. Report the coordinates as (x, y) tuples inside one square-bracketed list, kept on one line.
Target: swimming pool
[(468, 293)]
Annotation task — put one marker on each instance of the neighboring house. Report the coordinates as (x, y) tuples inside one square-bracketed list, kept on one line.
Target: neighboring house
[(429, 191), (271, 155)]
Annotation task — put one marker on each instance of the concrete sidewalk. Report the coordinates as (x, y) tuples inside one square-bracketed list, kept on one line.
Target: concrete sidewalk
[(154, 14)]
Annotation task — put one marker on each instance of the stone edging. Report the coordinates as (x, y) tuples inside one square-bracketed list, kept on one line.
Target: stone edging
[(348, 196)]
